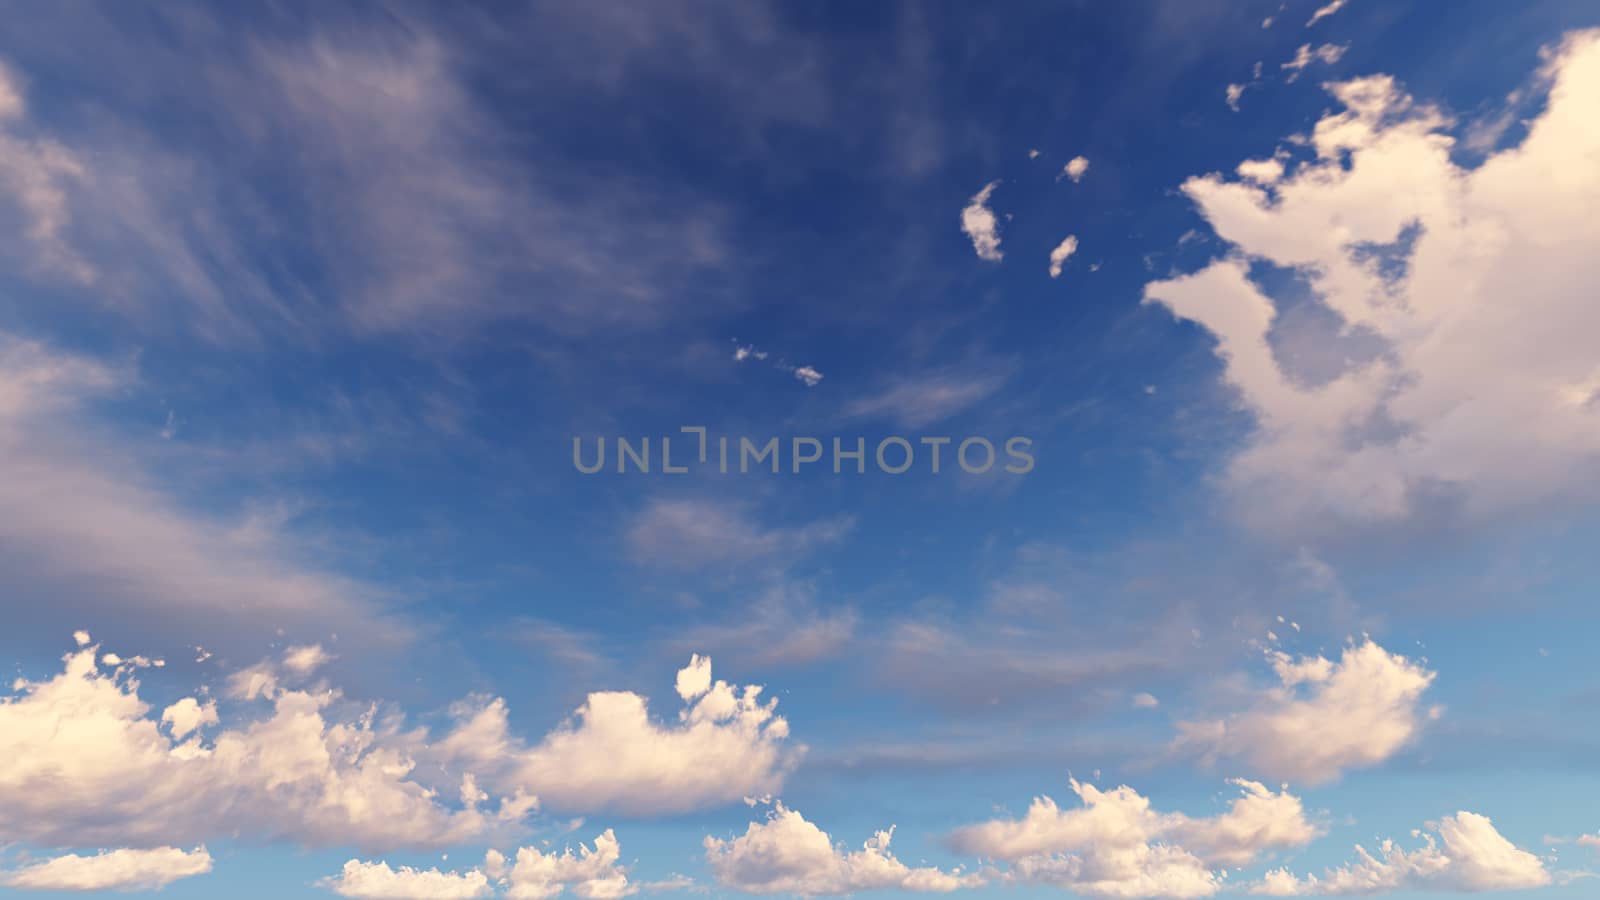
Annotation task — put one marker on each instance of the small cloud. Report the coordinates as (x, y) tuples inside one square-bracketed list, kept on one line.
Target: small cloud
[(1058, 256), (810, 376), (1143, 700), (979, 223), (1303, 57), (1033, 154), (1326, 11), (306, 659), (1075, 169)]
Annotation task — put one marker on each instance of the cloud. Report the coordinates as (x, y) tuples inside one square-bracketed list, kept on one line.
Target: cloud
[(1325, 11), (1327, 53), (376, 881), (612, 756), (1418, 256), (38, 176), (691, 534), (979, 224), (285, 764), (188, 715), (305, 659), (85, 534), (116, 779), (116, 870), (1075, 169), (781, 626), (1058, 256), (593, 874), (1116, 845), (1325, 717), (809, 376), (1469, 855), (372, 161), (786, 854), (1234, 94), (921, 398)]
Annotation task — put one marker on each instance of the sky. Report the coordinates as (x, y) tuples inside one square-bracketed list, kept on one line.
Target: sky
[(1077, 449)]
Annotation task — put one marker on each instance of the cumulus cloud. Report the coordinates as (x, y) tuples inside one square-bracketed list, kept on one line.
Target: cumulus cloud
[(611, 755), (1058, 256), (377, 881), (117, 870), (117, 779), (1469, 854), (808, 375), (1474, 284), (1075, 169), (1116, 845), (285, 765), (786, 854), (592, 873), (1324, 717), (979, 223)]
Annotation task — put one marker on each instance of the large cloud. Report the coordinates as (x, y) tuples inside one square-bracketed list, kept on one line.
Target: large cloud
[(1465, 303), (1116, 845), (726, 744), (1474, 856), (89, 534), (1324, 717), (117, 870), (787, 854), (85, 761)]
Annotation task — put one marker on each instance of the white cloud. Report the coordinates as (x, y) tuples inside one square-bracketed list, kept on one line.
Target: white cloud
[(1327, 53), (591, 873), (695, 533), (1144, 700), (116, 779), (1325, 717), (1469, 855), (788, 855), (979, 224), (376, 881), (11, 103), (188, 715), (38, 175), (1116, 845), (303, 660), (116, 870), (87, 533), (921, 398), (1325, 11), (811, 377), (695, 678), (725, 745), (1234, 94), (1475, 402), (1261, 171), (1058, 256), (1075, 169), (298, 771)]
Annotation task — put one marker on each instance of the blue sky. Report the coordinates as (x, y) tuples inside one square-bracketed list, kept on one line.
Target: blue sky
[(302, 309)]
